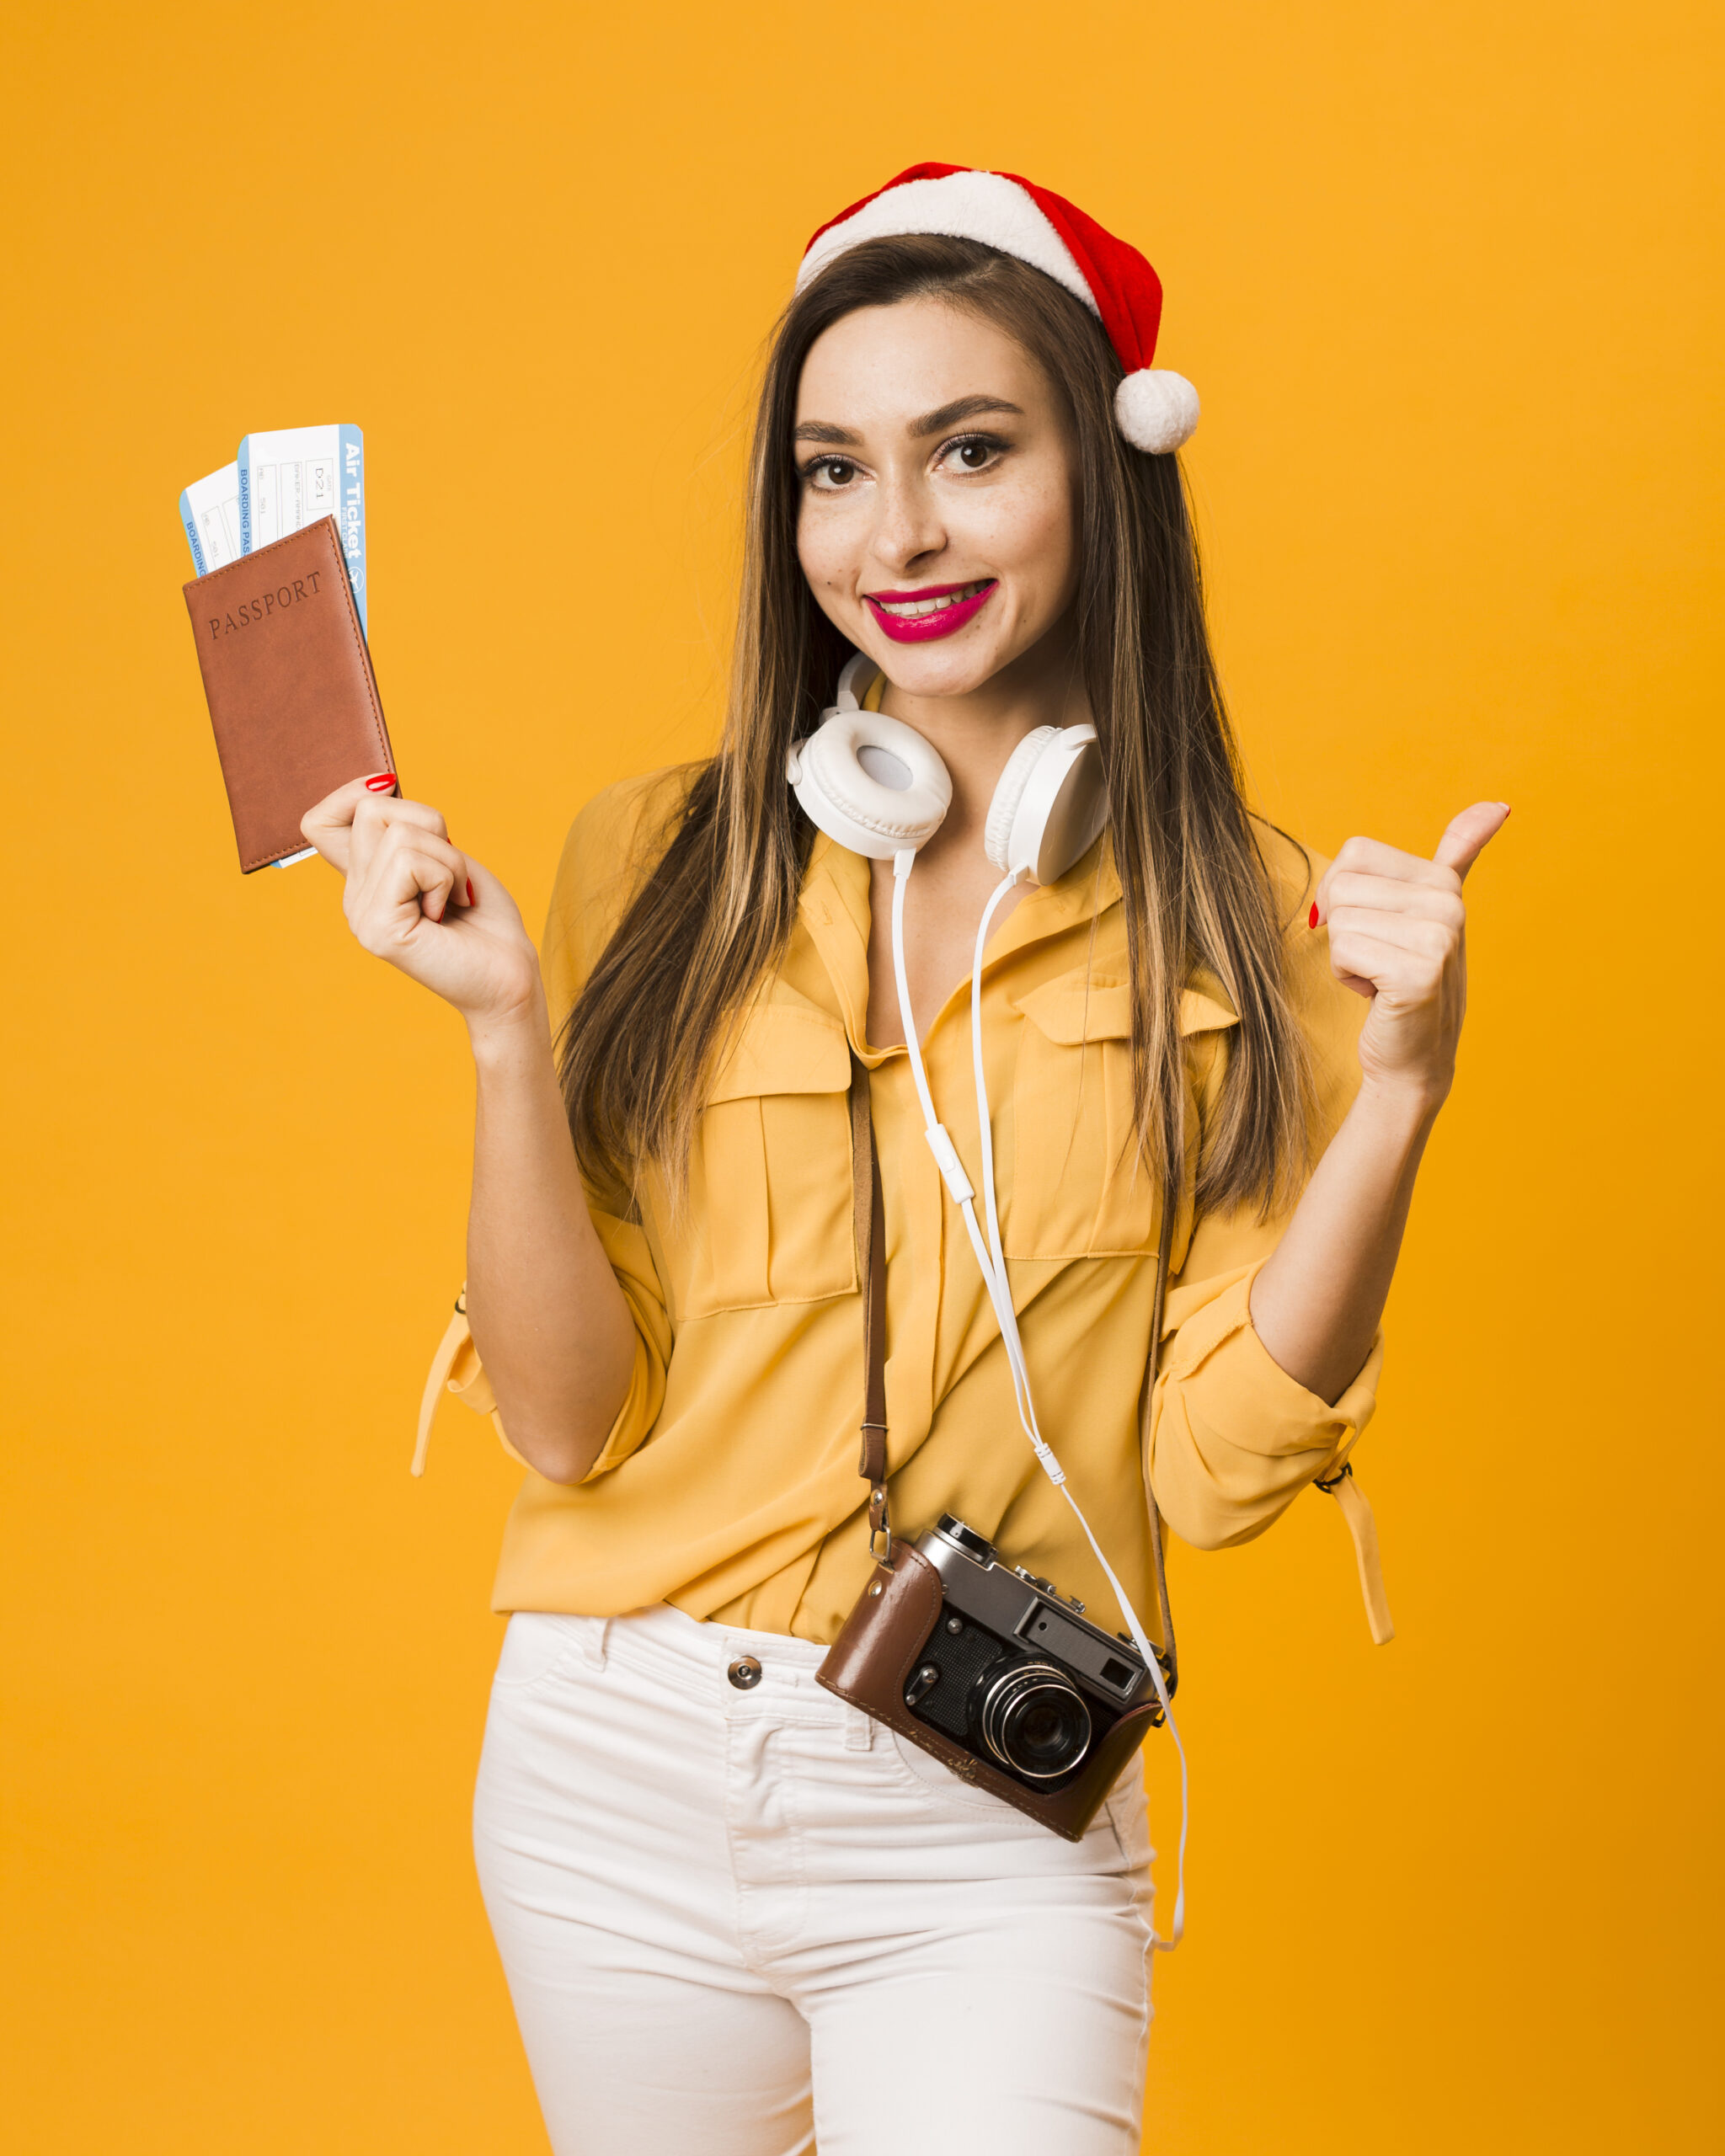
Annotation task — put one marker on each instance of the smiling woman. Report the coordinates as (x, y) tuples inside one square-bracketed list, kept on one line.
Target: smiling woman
[(763, 1813), (961, 405)]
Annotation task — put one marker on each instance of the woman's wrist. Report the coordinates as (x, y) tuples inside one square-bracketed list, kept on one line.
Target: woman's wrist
[(1400, 1111), (508, 1042)]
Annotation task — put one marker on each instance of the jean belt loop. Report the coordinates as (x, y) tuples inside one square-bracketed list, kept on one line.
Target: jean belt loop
[(859, 1730), (593, 1634)]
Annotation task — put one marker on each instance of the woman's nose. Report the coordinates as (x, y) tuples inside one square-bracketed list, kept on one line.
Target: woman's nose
[(908, 530)]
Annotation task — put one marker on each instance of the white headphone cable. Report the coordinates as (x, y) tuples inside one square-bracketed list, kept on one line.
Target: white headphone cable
[(991, 1264), (1009, 884)]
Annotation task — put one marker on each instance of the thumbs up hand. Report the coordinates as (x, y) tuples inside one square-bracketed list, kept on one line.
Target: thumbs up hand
[(1396, 929)]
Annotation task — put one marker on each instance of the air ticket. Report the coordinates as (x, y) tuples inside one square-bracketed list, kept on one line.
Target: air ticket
[(294, 476), (209, 509)]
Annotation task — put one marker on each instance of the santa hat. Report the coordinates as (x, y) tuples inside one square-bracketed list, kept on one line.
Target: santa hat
[(1155, 410)]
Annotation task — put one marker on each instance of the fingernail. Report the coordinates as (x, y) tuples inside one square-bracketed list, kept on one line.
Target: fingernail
[(383, 783), (471, 899), (1311, 918)]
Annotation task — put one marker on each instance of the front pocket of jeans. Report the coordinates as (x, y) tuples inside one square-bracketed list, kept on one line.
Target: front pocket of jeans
[(933, 1779), (536, 1646)]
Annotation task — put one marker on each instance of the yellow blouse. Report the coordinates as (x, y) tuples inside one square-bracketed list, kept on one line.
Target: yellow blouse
[(728, 1484)]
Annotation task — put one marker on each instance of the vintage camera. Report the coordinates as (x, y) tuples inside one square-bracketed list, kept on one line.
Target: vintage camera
[(1014, 1670)]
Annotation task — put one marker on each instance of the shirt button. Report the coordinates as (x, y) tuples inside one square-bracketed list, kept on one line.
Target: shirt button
[(745, 1674)]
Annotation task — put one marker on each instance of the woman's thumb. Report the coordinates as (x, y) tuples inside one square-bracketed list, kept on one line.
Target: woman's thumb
[(1468, 834), (329, 825)]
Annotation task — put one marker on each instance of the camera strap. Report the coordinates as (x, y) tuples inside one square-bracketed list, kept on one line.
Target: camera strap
[(867, 1219)]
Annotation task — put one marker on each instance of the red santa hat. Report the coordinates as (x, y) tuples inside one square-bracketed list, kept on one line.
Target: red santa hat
[(1155, 410)]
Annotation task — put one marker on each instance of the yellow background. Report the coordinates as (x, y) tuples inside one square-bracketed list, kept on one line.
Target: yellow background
[(1444, 277)]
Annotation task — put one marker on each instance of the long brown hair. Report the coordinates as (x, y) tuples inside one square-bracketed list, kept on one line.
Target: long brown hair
[(715, 911)]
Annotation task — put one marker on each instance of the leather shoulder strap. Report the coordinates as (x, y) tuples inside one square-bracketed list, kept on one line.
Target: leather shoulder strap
[(867, 1210)]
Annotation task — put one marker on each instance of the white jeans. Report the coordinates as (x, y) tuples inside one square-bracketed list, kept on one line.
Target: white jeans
[(734, 1920)]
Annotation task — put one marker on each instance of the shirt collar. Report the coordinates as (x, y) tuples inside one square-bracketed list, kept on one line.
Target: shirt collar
[(835, 909)]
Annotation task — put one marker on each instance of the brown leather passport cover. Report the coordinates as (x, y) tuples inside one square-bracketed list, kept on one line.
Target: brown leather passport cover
[(289, 681)]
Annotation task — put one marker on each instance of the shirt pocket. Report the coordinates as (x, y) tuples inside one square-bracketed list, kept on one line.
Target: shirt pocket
[(770, 1202), (1081, 1188)]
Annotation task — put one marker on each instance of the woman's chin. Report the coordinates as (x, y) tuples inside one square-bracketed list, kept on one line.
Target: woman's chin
[(957, 668)]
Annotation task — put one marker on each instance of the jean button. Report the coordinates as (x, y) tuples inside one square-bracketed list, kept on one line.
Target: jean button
[(745, 1674)]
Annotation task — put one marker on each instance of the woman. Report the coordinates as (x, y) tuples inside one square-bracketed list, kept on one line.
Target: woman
[(734, 1912)]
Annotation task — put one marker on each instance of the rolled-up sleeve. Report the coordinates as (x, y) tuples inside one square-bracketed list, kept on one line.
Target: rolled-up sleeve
[(632, 1262), (1233, 1440)]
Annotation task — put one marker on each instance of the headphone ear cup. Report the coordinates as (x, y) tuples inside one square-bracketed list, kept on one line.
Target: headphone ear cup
[(871, 782), (1050, 805), (1008, 793)]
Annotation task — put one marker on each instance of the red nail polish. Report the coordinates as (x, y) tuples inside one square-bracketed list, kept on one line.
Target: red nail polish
[(472, 900), (1311, 918), (383, 783)]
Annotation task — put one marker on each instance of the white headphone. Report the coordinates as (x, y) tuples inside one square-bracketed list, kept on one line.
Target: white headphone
[(875, 785)]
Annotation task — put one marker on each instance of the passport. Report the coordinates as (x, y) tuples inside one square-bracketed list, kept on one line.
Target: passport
[(288, 682)]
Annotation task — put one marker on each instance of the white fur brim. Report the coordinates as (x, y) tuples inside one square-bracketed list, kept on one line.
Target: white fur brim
[(1156, 410), (977, 205)]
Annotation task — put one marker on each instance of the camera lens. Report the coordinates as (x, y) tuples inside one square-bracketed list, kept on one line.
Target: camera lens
[(1034, 1721), (969, 1540)]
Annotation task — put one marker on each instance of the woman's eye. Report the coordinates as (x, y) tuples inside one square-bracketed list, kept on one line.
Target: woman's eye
[(833, 472), (973, 455)]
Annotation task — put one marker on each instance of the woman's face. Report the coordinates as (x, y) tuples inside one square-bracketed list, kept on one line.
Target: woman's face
[(937, 518)]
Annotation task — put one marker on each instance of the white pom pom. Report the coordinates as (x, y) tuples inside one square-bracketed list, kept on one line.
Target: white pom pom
[(1155, 410)]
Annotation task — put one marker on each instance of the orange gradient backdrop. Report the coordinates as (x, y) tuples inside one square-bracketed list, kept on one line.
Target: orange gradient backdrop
[(1445, 281)]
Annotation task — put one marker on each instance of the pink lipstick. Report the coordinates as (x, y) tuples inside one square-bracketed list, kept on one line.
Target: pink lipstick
[(937, 609)]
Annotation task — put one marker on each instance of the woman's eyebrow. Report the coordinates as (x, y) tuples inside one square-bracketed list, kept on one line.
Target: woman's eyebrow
[(961, 409), (931, 423)]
